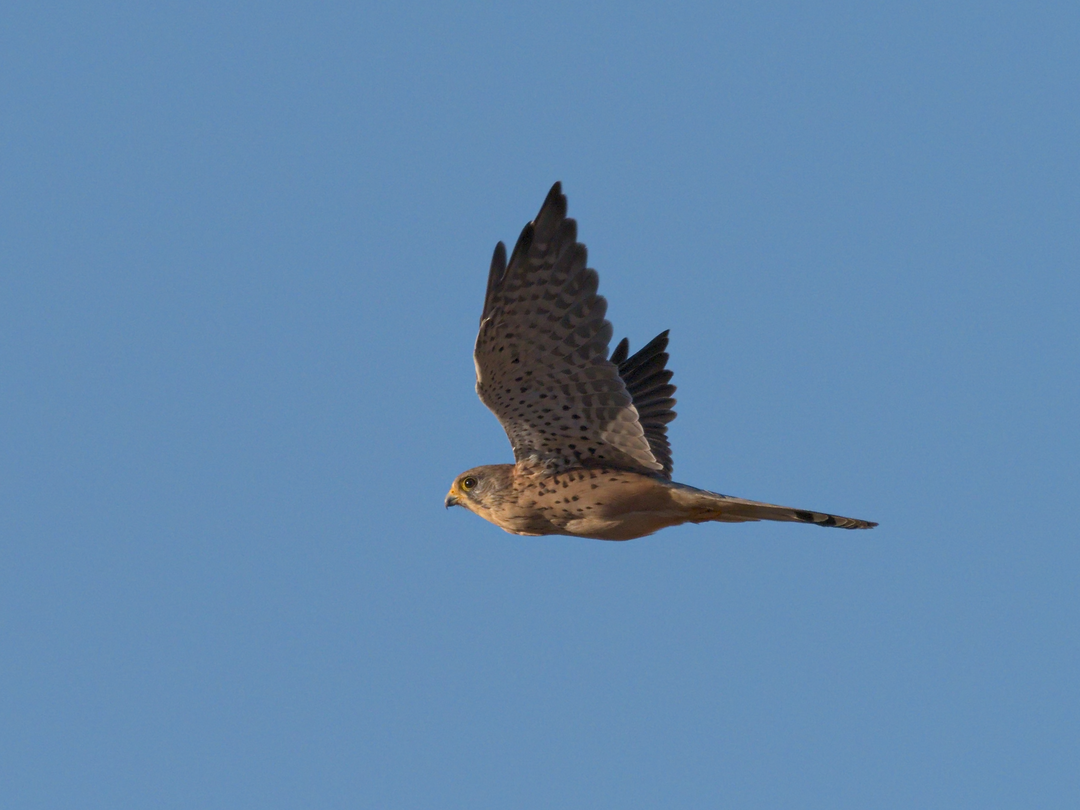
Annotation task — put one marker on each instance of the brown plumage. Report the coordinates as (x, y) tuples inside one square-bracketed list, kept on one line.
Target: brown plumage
[(589, 431)]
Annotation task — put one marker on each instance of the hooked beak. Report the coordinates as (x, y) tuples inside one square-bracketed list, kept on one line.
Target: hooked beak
[(451, 500)]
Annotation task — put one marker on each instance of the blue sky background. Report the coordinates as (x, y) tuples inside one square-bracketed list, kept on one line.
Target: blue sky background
[(243, 250)]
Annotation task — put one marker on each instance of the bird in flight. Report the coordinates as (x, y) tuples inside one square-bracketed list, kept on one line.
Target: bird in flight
[(589, 431)]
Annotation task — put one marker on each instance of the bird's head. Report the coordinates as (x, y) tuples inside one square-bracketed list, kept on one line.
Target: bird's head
[(480, 488)]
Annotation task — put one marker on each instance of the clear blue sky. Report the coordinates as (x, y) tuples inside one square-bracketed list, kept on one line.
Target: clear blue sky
[(243, 250)]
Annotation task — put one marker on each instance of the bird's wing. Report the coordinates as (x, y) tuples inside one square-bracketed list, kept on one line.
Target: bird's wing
[(648, 382), (542, 354)]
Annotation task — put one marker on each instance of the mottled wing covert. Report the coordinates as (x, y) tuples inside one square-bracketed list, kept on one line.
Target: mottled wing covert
[(541, 355)]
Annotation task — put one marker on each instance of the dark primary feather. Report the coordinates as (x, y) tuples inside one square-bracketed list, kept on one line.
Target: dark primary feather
[(648, 380)]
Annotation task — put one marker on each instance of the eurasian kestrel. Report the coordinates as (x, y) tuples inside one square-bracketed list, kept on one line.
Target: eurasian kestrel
[(589, 431)]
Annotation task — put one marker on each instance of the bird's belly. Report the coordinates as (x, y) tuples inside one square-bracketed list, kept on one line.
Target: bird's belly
[(624, 527)]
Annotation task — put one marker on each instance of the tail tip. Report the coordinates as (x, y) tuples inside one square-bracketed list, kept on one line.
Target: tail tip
[(821, 519)]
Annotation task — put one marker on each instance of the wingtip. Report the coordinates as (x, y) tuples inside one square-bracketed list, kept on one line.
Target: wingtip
[(555, 201), (495, 275)]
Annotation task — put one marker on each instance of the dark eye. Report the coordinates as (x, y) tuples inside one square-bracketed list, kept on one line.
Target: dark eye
[(468, 483)]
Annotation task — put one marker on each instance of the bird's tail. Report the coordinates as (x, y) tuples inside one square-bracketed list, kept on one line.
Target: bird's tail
[(708, 506)]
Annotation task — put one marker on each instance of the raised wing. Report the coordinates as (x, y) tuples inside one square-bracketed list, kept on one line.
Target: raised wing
[(541, 354)]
